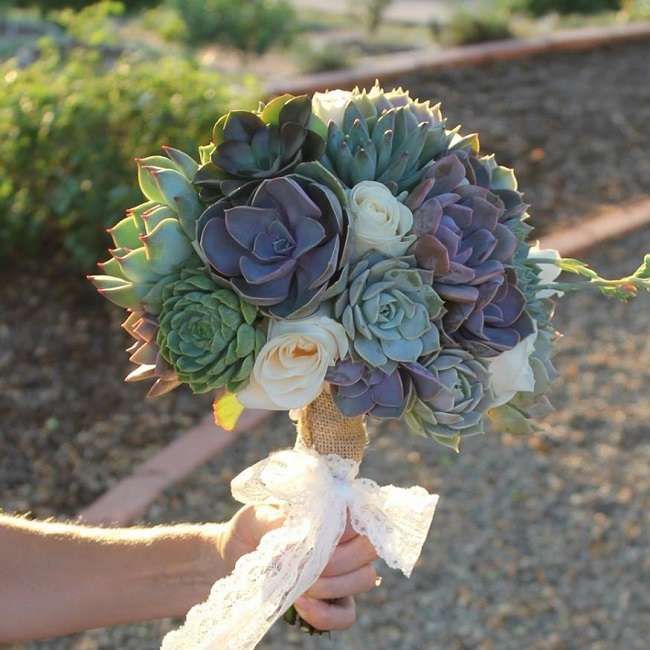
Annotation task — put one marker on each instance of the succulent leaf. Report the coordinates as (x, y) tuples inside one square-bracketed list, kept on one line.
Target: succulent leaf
[(250, 147), (282, 249), (388, 309), (204, 335)]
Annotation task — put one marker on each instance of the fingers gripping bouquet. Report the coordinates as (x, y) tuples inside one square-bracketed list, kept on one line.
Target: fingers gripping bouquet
[(341, 258)]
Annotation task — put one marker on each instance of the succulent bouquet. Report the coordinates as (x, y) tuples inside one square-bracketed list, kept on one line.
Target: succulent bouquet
[(350, 243)]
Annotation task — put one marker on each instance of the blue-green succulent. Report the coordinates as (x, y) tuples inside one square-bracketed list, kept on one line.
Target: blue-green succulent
[(387, 137), (155, 239), (388, 308)]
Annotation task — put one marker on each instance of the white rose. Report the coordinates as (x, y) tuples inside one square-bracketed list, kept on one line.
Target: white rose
[(378, 220), (548, 272), (511, 371), (290, 368), (330, 106)]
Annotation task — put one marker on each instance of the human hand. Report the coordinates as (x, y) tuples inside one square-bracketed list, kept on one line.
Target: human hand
[(329, 603)]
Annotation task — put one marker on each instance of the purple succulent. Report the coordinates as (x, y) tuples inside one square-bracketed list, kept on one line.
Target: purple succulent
[(279, 251), (358, 389), (466, 235)]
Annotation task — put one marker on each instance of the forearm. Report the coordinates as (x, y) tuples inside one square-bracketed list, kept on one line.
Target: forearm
[(58, 579)]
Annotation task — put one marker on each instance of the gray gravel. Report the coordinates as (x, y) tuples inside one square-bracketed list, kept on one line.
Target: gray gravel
[(538, 543), (574, 125)]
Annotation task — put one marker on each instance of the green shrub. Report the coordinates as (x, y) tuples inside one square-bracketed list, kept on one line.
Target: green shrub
[(465, 28), (637, 9), (322, 59), (164, 21), (91, 25), (253, 26), (49, 5), (541, 7), (374, 11), (69, 131)]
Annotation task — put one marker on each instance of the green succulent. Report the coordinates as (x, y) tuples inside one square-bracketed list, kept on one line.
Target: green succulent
[(207, 334), (387, 137), (155, 239), (248, 147), (388, 308), (458, 403)]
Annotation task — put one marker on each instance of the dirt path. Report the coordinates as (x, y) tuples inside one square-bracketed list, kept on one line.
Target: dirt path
[(539, 542)]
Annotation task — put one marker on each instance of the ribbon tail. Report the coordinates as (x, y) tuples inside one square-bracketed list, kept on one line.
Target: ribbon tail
[(395, 520)]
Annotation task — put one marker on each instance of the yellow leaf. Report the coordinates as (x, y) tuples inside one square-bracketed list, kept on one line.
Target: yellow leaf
[(227, 409)]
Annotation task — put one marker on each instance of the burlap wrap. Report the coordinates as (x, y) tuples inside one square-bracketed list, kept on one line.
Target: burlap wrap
[(322, 427)]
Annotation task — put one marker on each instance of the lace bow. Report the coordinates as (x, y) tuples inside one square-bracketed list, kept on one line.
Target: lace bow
[(316, 492)]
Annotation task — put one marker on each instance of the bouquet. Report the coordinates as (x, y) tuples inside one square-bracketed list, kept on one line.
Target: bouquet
[(343, 257)]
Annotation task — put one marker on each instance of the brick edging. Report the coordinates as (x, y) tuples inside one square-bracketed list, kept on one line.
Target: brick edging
[(129, 498), (392, 66)]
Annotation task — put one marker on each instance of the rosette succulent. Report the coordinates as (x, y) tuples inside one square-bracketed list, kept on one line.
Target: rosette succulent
[(359, 389), (207, 334), (145, 353), (387, 308), (282, 249), (387, 137), (154, 240), (248, 147), (455, 398), (466, 238)]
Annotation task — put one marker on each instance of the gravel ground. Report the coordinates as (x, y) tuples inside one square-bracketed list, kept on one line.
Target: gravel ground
[(539, 542), (574, 125), (69, 426)]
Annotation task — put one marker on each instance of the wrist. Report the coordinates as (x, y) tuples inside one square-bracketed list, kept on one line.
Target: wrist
[(184, 562)]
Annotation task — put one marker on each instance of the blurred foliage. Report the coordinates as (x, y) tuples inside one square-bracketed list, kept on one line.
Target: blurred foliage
[(70, 128), (323, 58), (541, 7), (466, 27), (164, 21), (91, 25), (75, 5), (374, 12), (253, 26), (636, 9)]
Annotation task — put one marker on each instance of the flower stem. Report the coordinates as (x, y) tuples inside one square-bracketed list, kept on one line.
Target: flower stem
[(292, 617)]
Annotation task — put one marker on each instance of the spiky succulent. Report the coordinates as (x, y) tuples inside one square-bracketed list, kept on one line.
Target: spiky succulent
[(154, 240), (145, 353), (207, 334), (454, 398), (282, 250), (387, 137), (465, 218), (387, 308), (248, 147)]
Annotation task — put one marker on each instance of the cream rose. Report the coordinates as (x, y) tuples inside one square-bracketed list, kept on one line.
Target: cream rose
[(330, 106), (548, 272), (378, 220), (290, 368), (511, 371)]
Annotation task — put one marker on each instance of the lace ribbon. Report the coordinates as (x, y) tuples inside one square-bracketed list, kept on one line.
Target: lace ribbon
[(316, 492)]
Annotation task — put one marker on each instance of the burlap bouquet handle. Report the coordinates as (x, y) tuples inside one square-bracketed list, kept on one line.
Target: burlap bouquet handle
[(322, 427)]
